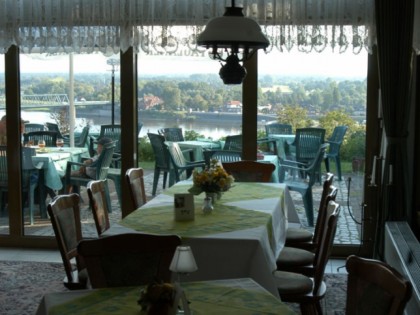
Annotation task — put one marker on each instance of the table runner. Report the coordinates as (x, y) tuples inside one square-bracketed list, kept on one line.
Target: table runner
[(206, 298)]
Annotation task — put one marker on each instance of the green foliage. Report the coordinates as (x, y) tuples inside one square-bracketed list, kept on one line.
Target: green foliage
[(192, 135), (337, 118), (355, 146), (145, 151), (296, 116)]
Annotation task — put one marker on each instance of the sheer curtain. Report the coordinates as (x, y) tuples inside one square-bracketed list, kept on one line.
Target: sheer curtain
[(171, 26)]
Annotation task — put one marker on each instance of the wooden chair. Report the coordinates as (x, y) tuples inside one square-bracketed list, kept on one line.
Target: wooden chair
[(307, 291), (300, 260), (50, 137), (374, 287), (302, 238), (135, 181), (128, 259), (250, 171), (64, 213), (162, 159), (100, 204)]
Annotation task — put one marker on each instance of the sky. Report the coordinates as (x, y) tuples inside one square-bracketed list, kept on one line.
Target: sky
[(325, 64)]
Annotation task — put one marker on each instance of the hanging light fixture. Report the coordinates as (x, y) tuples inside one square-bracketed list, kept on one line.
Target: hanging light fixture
[(232, 38)]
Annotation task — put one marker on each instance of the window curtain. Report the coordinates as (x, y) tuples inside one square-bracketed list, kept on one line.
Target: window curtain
[(171, 26), (394, 27)]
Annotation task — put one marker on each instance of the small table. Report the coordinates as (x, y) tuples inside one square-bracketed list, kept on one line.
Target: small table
[(234, 296), (197, 147), (280, 141)]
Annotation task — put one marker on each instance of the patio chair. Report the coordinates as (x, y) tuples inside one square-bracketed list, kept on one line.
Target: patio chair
[(172, 134), (82, 140), (100, 204), (233, 143), (333, 152), (303, 238), (29, 127), (108, 131), (162, 159), (102, 167), (250, 171), (374, 287), (130, 259), (56, 128), (304, 290), (30, 176), (279, 129), (64, 213), (180, 164), (306, 143), (222, 156), (50, 137), (135, 180), (304, 184)]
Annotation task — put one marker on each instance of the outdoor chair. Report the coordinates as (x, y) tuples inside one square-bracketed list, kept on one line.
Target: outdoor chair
[(374, 287), (249, 171), (107, 131), (135, 181), (296, 259), (304, 184), (82, 140), (102, 167), (56, 128), (278, 129), (29, 127), (306, 143), (233, 143), (333, 152), (162, 159), (222, 156), (30, 175), (304, 290), (64, 213), (172, 134), (100, 204), (50, 137), (130, 259), (303, 238), (180, 164)]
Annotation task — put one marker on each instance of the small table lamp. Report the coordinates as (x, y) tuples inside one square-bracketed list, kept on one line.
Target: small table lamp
[(183, 262)]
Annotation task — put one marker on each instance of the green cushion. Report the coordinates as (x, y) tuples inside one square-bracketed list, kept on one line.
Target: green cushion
[(293, 257), (292, 283)]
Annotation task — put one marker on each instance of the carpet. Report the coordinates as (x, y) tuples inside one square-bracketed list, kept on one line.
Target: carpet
[(23, 284), (334, 302)]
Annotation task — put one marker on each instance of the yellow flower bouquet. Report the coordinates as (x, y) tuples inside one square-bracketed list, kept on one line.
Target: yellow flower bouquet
[(213, 179)]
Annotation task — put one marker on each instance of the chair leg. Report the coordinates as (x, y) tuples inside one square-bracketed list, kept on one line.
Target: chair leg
[(165, 177), (338, 166), (155, 181), (309, 208), (327, 163)]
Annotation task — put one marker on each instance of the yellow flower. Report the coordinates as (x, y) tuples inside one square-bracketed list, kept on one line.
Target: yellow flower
[(213, 179)]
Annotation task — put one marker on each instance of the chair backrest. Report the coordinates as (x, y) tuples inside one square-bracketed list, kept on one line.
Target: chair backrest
[(64, 213), (222, 156), (54, 127), (130, 259), (233, 143), (113, 132), (83, 137), (50, 137), (135, 181), (27, 167), (277, 128), (104, 161), (172, 134), (374, 287), (100, 204), (336, 139), (307, 142), (250, 171), (325, 247), (162, 158), (175, 152), (29, 127)]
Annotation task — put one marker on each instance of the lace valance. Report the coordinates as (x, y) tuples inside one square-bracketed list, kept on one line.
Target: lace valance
[(171, 26)]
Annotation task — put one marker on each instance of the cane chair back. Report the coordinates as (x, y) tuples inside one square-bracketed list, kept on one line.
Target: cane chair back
[(135, 180), (250, 171), (100, 204)]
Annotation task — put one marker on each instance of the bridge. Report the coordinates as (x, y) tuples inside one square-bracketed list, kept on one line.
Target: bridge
[(51, 100)]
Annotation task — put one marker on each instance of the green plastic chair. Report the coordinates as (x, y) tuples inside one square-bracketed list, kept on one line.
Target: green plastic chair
[(108, 131), (233, 143), (279, 129), (179, 163), (50, 137), (162, 159), (172, 134), (333, 152), (303, 185), (29, 127), (222, 156)]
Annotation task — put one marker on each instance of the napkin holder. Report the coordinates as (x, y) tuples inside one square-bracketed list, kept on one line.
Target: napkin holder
[(184, 207)]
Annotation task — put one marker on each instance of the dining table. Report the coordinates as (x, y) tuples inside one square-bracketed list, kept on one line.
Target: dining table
[(281, 141), (241, 237), (240, 296), (197, 147)]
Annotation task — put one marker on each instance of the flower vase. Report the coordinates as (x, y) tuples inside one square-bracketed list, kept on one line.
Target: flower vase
[(215, 196), (207, 205)]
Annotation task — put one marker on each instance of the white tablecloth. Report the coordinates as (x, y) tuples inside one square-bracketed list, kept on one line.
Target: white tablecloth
[(242, 252)]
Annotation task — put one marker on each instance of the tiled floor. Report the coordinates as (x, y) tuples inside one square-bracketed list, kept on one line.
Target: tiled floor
[(14, 254)]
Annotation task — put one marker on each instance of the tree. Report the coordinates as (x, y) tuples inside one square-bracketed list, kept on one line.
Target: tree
[(337, 118), (294, 115)]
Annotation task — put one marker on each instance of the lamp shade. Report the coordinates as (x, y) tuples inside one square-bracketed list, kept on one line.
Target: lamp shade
[(183, 260)]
